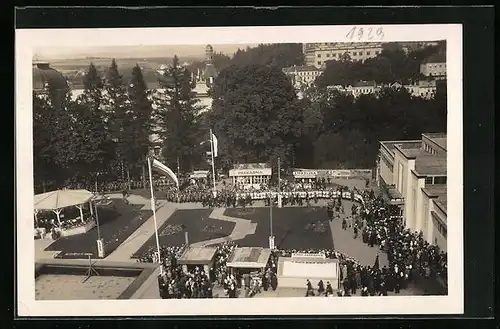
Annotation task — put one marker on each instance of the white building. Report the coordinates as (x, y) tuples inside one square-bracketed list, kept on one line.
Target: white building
[(424, 89), (302, 76), (362, 88), (414, 171), (317, 54), (250, 175), (434, 67)]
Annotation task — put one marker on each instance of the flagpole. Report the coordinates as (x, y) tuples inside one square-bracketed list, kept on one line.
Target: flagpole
[(213, 162), (153, 207)]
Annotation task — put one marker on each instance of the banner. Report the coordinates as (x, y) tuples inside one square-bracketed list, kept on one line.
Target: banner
[(215, 143), (165, 170)]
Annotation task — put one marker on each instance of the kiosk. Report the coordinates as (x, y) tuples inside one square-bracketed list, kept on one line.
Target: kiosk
[(250, 175), (295, 270), (305, 177), (201, 257), (248, 259)]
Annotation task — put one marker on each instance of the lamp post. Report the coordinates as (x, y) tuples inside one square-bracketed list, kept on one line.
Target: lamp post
[(100, 244), (271, 236)]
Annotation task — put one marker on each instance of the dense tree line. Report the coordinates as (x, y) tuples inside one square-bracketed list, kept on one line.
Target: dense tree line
[(256, 116), (393, 64), (105, 131)]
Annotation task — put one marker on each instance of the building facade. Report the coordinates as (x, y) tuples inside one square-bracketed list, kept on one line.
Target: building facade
[(435, 70), (302, 76), (414, 171), (317, 54), (423, 89)]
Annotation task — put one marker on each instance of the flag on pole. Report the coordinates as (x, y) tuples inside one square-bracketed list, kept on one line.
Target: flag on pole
[(165, 170), (215, 142)]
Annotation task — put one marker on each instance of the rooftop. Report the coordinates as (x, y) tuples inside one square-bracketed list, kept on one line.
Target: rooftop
[(365, 84), (427, 164), (251, 166), (300, 69), (390, 145), (197, 255), (436, 191), (436, 58), (438, 138), (249, 257), (441, 204)]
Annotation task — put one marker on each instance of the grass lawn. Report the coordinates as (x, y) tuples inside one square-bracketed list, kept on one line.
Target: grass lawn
[(116, 225), (198, 225), (291, 227)]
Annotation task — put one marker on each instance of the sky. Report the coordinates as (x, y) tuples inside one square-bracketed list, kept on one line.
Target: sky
[(134, 51)]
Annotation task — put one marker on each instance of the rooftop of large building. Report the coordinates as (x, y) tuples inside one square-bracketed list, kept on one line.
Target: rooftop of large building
[(306, 68), (436, 58), (430, 165), (438, 138), (391, 145)]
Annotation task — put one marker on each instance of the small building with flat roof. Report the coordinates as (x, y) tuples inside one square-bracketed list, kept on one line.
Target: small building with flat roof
[(250, 175), (201, 257), (294, 271), (413, 174), (248, 259)]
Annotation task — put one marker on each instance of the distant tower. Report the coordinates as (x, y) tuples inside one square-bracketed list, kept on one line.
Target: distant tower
[(210, 72), (209, 54)]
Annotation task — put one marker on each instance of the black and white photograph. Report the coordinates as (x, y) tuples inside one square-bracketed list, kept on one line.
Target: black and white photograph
[(295, 170)]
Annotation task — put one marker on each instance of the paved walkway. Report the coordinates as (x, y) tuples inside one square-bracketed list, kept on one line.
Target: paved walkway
[(345, 243), (242, 228)]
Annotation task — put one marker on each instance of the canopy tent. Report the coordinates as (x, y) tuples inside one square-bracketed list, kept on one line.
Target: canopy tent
[(57, 200)]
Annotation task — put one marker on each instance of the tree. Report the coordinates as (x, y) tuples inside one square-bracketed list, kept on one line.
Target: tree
[(256, 115), (140, 124), (177, 114), (120, 119), (279, 55), (92, 85), (45, 168)]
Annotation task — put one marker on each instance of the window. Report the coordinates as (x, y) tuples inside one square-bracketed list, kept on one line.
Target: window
[(354, 53), (327, 55), (319, 62), (368, 53), (319, 55), (360, 53), (428, 180), (440, 180)]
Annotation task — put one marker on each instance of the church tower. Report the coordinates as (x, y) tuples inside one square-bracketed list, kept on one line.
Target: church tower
[(210, 71)]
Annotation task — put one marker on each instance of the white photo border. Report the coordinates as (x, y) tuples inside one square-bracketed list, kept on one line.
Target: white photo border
[(29, 39)]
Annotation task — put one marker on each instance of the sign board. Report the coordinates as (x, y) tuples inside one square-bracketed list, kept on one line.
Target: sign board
[(271, 242), (250, 172), (333, 173), (100, 248), (308, 255), (305, 174)]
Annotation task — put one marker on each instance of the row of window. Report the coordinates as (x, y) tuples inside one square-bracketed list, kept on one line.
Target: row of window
[(354, 53), (432, 66), (430, 180)]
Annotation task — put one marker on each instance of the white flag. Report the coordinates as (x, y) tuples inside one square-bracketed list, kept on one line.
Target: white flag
[(165, 170), (214, 139)]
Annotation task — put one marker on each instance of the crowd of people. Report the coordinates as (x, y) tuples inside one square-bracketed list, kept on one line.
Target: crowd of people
[(373, 221)]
